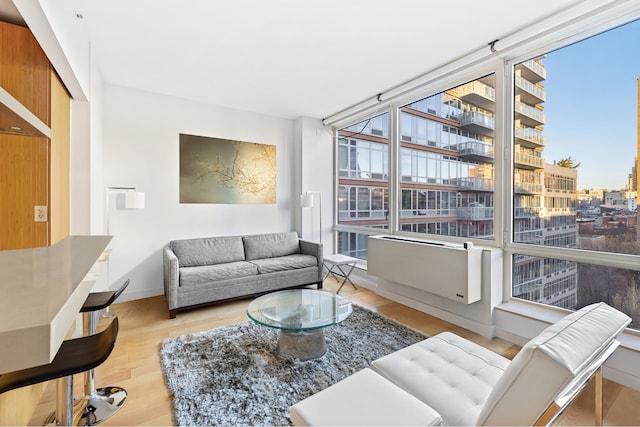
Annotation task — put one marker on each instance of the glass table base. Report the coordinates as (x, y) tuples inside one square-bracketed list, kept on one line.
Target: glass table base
[(303, 345)]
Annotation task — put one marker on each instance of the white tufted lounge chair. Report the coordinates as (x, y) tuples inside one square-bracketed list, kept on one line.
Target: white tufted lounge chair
[(448, 380)]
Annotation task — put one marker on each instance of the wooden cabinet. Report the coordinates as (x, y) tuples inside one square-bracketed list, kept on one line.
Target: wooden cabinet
[(25, 71), (34, 171)]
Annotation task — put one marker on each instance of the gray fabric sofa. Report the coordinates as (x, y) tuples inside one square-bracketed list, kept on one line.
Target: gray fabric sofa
[(202, 271)]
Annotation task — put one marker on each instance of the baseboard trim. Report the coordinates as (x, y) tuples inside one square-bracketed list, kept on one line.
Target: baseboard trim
[(135, 295)]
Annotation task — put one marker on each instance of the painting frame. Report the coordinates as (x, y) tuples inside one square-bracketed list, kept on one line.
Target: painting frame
[(224, 171)]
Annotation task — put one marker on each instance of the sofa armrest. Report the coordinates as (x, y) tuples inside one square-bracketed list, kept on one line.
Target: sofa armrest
[(315, 249), (171, 277)]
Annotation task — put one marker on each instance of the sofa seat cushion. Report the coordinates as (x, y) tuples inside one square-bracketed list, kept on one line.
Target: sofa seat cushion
[(270, 245), (453, 375), (289, 262), (211, 273), (208, 251), (363, 399)]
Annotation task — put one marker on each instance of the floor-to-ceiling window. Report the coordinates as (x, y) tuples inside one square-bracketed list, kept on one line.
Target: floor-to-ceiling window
[(575, 142), (446, 171), (564, 165), (363, 183)]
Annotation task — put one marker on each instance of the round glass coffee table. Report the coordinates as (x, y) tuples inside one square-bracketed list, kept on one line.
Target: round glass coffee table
[(301, 316)]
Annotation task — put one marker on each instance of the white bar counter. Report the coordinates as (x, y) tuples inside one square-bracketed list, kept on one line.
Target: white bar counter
[(41, 293)]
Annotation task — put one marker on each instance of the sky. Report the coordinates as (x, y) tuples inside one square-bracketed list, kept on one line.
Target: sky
[(591, 108)]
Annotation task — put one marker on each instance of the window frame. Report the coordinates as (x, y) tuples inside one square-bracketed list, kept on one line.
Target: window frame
[(510, 248), (565, 30)]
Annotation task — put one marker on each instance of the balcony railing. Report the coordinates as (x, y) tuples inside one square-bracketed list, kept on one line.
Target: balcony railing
[(477, 93), (475, 213), (529, 236), (526, 212), (476, 118), (430, 213), (530, 112), (474, 183), (528, 187), (346, 215), (534, 90), (531, 135), (477, 87), (526, 287), (475, 148), (528, 159), (536, 68)]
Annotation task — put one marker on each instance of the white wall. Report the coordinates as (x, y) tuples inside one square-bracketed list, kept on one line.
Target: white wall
[(140, 141), (85, 173), (80, 169), (316, 171), (95, 142)]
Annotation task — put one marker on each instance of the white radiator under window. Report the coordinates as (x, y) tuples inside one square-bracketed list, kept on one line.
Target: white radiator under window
[(449, 270)]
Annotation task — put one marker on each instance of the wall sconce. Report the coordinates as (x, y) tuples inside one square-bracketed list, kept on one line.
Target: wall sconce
[(134, 200), (307, 201)]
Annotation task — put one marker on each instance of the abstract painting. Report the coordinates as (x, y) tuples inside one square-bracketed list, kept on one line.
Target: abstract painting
[(215, 170)]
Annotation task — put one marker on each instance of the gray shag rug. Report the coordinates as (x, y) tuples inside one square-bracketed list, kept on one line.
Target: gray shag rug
[(232, 376)]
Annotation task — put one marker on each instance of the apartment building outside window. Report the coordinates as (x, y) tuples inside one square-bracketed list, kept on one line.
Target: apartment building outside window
[(446, 162), (566, 145), (363, 182), (446, 167), (571, 97)]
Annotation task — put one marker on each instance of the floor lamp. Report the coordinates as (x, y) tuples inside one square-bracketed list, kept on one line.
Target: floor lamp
[(132, 200), (307, 201)]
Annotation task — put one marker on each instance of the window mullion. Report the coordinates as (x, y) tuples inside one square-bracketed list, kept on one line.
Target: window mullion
[(394, 158)]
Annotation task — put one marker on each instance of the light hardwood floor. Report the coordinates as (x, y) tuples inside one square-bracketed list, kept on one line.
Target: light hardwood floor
[(144, 324)]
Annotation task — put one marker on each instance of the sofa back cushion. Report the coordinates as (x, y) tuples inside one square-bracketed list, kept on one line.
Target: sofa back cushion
[(208, 251), (270, 245), (549, 362)]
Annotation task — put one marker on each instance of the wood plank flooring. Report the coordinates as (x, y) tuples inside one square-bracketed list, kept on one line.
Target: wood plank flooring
[(144, 324)]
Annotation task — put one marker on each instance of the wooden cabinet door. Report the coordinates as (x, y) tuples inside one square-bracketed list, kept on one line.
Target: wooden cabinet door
[(25, 70), (24, 171)]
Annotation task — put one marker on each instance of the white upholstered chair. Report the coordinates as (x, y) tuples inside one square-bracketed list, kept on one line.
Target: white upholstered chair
[(449, 380)]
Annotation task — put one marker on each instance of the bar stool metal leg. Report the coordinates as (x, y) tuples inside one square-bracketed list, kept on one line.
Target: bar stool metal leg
[(96, 405), (74, 356), (64, 402)]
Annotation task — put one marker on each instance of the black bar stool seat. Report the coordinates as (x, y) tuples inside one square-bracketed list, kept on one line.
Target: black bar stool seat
[(96, 405), (74, 356), (98, 300)]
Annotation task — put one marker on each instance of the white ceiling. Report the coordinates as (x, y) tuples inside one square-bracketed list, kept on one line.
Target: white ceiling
[(290, 58)]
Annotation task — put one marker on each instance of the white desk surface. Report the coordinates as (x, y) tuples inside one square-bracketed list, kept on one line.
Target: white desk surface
[(41, 293), (339, 259)]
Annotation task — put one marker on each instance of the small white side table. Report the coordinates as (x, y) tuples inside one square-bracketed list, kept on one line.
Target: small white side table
[(337, 261)]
